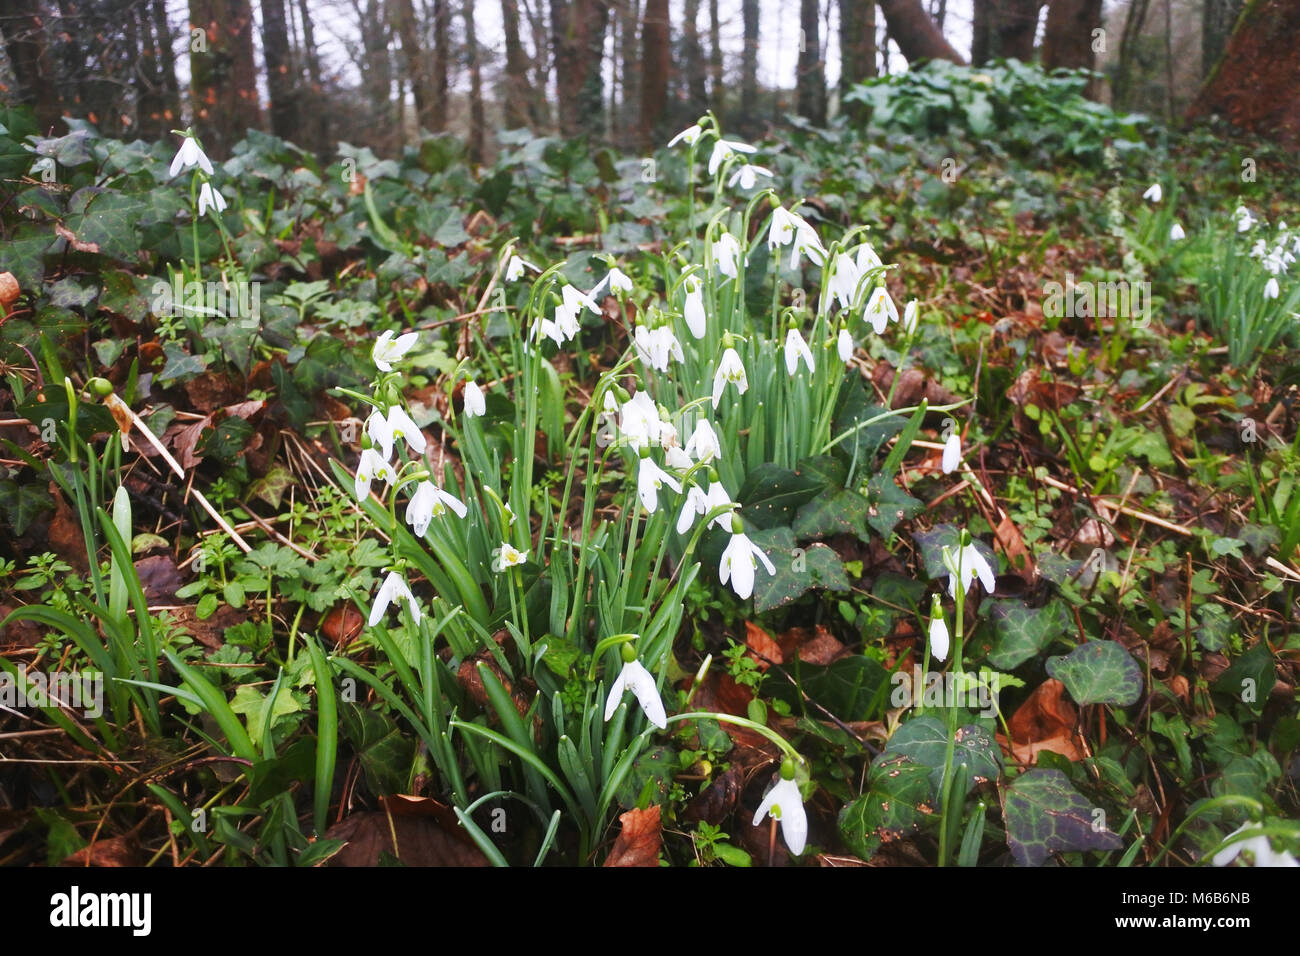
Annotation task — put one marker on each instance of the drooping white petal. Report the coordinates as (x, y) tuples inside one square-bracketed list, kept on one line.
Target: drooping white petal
[(642, 683), (952, 452), (844, 345), (1176, 232), (388, 350), (785, 798), (419, 512), (401, 425), (650, 478), (795, 349), (726, 255), (687, 136), (730, 369), (381, 434), (1153, 193), (475, 403), (938, 638)]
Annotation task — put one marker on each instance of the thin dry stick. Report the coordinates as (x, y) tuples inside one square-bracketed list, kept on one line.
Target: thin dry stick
[(1273, 563), (120, 408)]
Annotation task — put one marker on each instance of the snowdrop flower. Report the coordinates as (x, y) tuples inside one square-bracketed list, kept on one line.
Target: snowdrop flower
[(938, 631), (970, 563), (369, 468), (641, 683), (429, 501), (655, 346), (843, 285), (952, 452), (566, 315), (400, 425), (515, 268), (844, 345), (548, 329), (393, 589), (639, 421), (747, 175), (189, 155), (475, 403), (785, 225), (675, 457), (796, 348), (509, 557), (726, 255), (210, 197), (723, 150), (689, 136), (730, 370), (703, 443), (911, 312), (1271, 290), (693, 311), (699, 502), (1244, 219), (381, 434), (1154, 192), (880, 310), (867, 259), (617, 281), (784, 802), (649, 479), (1176, 232), (738, 563), (388, 350), (1258, 846), (1260, 248), (806, 243)]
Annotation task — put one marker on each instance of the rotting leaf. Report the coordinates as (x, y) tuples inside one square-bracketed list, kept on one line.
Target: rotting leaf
[(639, 841)]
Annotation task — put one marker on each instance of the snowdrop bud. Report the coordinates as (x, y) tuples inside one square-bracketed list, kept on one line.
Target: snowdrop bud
[(1176, 232), (737, 526), (628, 652)]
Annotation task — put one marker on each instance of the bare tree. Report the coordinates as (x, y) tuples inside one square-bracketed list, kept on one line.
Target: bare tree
[(810, 83), (1004, 29), (693, 56), (917, 36), (477, 121), (749, 65), (654, 75), (223, 75), (280, 83), (1069, 39)]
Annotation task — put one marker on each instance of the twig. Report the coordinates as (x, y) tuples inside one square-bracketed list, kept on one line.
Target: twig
[(121, 408)]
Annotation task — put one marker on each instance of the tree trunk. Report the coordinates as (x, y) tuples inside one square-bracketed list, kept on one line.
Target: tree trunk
[(29, 56), (693, 57), (1068, 41), (654, 73), (1217, 20), (857, 42), (224, 78), (591, 57), (477, 120), (317, 121), (517, 94), (285, 110), (916, 34), (810, 83), (439, 87), (1004, 29), (749, 66), (629, 127), (715, 58), (1256, 85)]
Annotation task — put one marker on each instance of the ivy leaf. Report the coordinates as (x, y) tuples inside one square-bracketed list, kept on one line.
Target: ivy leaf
[(852, 688), (107, 218), (1044, 814), (1098, 672), (854, 408), (797, 569), (924, 740), (835, 512), (898, 799), (1214, 627), (890, 504), (180, 363), (1251, 677), (771, 495), (1022, 631), (22, 503)]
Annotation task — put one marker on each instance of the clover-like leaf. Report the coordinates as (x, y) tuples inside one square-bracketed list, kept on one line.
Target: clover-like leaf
[(1099, 672), (1044, 815)]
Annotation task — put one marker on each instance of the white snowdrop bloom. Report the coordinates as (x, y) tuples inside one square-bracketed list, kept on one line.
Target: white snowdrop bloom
[(475, 402), (970, 563), (1176, 232), (844, 346), (795, 349), (189, 155), (1271, 289), (785, 803), (880, 310), (723, 150), (388, 350), (747, 176), (689, 136), (726, 255), (400, 425), (693, 310), (509, 557), (738, 564), (730, 369), (210, 197), (703, 443), (952, 452), (1153, 193), (369, 468), (430, 501), (649, 479), (843, 284), (393, 589), (641, 683), (515, 268)]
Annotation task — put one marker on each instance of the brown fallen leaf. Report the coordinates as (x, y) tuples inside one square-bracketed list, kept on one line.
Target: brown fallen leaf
[(1045, 721), (639, 841), (420, 841), (8, 292), (114, 851), (764, 651), (342, 624), (77, 245), (159, 577)]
